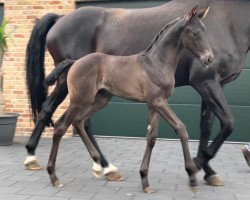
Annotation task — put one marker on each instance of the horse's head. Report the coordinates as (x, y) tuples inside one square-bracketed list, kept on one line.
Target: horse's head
[(194, 36)]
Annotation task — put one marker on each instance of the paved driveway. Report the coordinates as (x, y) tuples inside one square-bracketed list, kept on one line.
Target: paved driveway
[(167, 174)]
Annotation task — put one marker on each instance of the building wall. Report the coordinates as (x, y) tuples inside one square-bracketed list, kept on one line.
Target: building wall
[(21, 16)]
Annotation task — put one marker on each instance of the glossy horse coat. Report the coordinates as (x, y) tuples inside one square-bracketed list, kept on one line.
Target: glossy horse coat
[(126, 32), (145, 77)]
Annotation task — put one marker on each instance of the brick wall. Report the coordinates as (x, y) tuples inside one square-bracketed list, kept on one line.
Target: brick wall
[(21, 15)]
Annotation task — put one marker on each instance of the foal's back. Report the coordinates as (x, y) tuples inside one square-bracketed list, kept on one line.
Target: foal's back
[(122, 76)]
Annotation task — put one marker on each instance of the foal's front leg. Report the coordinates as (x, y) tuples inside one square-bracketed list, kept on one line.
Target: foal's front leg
[(152, 132), (169, 116)]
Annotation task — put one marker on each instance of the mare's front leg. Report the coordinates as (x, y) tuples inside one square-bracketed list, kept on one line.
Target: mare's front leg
[(213, 96), (206, 124), (161, 106), (152, 132), (48, 108)]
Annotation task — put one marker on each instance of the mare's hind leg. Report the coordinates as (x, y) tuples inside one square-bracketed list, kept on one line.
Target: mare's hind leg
[(213, 96), (48, 108), (161, 106), (152, 132)]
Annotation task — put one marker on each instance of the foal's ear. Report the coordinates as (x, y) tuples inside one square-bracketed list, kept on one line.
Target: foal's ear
[(189, 16), (203, 13)]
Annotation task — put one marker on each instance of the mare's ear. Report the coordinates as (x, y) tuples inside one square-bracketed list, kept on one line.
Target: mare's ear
[(203, 13), (189, 16)]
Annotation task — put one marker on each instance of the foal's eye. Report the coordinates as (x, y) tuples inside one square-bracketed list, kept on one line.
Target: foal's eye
[(196, 35)]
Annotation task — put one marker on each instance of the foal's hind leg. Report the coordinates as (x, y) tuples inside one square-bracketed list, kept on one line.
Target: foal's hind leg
[(152, 131), (60, 129), (48, 108), (168, 115), (110, 171)]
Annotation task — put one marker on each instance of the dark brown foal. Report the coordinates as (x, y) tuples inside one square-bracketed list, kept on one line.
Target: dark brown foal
[(145, 77)]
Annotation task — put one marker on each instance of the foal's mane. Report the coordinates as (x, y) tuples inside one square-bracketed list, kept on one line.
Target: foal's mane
[(156, 38)]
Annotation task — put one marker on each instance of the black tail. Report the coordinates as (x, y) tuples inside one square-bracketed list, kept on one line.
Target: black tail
[(55, 74), (35, 54)]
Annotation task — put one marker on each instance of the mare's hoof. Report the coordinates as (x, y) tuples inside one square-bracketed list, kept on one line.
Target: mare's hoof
[(97, 174), (114, 176), (215, 180), (33, 165), (58, 184), (148, 190)]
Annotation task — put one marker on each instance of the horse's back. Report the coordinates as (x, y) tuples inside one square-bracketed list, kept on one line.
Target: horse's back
[(71, 36)]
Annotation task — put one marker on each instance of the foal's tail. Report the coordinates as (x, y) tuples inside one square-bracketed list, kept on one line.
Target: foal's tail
[(57, 71), (35, 54)]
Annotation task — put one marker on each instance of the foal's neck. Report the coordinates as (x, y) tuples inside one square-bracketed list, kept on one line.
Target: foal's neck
[(167, 50)]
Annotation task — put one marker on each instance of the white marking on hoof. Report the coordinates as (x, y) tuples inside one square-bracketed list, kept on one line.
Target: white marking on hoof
[(97, 170), (97, 167), (31, 163), (29, 159), (110, 168)]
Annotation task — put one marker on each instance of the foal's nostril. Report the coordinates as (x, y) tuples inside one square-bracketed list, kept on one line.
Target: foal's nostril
[(209, 59)]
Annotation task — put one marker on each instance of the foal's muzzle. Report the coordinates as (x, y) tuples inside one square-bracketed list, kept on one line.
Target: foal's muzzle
[(207, 58)]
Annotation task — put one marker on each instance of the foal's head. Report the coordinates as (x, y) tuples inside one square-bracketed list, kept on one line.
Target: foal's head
[(194, 35)]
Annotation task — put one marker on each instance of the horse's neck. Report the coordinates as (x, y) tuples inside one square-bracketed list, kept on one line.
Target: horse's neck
[(167, 50)]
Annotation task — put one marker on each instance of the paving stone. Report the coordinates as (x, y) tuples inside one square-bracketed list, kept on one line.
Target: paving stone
[(13, 197), (113, 197), (167, 173), (76, 194), (46, 198)]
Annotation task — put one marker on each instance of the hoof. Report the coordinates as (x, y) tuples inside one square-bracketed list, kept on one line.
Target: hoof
[(33, 165), (215, 180), (97, 174), (194, 189), (114, 176), (58, 184), (148, 190)]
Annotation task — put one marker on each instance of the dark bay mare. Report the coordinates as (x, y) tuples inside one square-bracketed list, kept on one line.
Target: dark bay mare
[(144, 77), (126, 32)]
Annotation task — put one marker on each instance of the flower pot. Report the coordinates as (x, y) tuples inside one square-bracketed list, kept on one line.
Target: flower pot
[(7, 128)]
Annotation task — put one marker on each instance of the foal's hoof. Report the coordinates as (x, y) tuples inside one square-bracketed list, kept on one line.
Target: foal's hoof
[(148, 190), (97, 174), (215, 180), (194, 189), (58, 184), (114, 176), (33, 165)]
